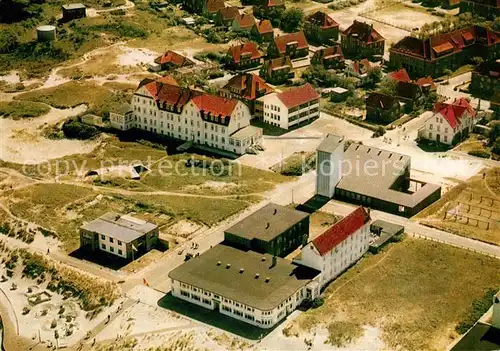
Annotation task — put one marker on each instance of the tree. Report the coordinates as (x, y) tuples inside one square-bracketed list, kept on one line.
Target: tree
[(388, 86), (430, 99), (494, 133), (496, 24), (17, 10), (8, 41), (375, 75), (292, 20), (477, 60), (447, 72)]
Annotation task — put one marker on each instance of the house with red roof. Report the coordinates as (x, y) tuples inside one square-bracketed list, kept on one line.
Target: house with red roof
[(171, 60), (432, 55), (294, 45), (361, 40), (226, 16), (291, 107), (320, 28), (246, 87), (208, 8), (329, 57), (339, 247), (244, 56), (400, 75), (208, 121), (278, 70), (450, 122), (243, 22), (263, 31)]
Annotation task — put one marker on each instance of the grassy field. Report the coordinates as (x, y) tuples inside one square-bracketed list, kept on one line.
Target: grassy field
[(416, 292), (22, 109), (63, 208), (476, 202), (74, 93)]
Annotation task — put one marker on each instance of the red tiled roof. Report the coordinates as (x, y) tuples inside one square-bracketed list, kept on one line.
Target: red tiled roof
[(168, 80), (282, 40), (322, 19), (341, 230), (334, 51), (215, 5), (249, 84), (298, 96), (400, 76), (271, 3), (264, 27), (215, 105), (455, 111), (229, 13), (174, 58), (248, 48), (245, 20), (164, 92), (361, 66), (364, 32), (274, 64), (426, 80)]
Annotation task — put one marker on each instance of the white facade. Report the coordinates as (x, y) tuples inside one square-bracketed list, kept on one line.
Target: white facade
[(122, 121), (112, 246), (242, 312), (189, 125), (276, 113), (437, 128), (495, 319), (339, 258), (329, 157)]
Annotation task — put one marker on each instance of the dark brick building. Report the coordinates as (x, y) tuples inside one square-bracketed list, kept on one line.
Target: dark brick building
[(361, 40)]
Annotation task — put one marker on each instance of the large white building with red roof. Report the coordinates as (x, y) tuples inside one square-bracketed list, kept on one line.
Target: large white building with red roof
[(338, 247), (203, 119), (448, 120), (291, 107)]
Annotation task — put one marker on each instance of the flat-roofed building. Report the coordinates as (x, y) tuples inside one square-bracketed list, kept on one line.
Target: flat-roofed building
[(120, 235), (274, 229), (339, 246), (73, 11), (255, 288), (371, 177)]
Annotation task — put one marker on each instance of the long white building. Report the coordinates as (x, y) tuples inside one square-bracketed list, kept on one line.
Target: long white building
[(289, 108), (338, 247), (163, 107), (255, 288)]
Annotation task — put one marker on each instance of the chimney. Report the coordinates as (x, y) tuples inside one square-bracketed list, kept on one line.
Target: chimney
[(267, 225), (275, 211), (257, 275), (228, 265)]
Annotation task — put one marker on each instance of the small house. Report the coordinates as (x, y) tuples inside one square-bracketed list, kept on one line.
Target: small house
[(73, 11)]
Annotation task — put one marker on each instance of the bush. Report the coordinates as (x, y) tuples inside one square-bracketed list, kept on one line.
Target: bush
[(317, 302), (379, 132), (22, 109), (292, 19), (74, 129), (479, 153), (8, 41), (478, 308)]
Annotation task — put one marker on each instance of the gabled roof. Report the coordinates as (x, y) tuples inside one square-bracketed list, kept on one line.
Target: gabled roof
[(364, 32), (361, 66), (277, 64), (264, 27), (174, 58), (245, 20), (164, 92), (215, 5), (322, 20), (381, 101), (297, 96), (426, 81), (400, 76), (455, 111), (298, 37), (331, 52), (408, 90), (249, 84), (229, 13), (248, 49), (215, 105), (341, 230), (271, 3)]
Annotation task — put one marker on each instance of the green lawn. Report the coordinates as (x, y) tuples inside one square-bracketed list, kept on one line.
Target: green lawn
[(22, 109), (416, 292)]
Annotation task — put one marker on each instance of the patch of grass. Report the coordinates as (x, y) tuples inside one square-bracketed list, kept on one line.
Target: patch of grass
[(22, 109), (416, 292), (341, 333), (479, 307), (296, 164), (99, 99)]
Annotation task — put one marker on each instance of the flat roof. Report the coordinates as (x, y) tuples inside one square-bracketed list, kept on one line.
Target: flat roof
[(373, 173), (74, 6), (387, 227), (267, 223), (210, 272), (481, 337), (121, 227), (330, 143)]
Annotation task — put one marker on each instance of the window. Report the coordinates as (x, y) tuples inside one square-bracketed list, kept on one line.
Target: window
[(120, 252), (103, 237), (112, 249), (111, 240), (103, 247), (119, 242)]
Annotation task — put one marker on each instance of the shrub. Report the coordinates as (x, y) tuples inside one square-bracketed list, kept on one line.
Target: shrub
[(292, 19), (74, 129), (479, 153), (379, 132), (317, 302), (477, 309)]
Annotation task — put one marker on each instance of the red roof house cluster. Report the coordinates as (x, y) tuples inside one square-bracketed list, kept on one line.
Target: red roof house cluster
[(166, 93), (298, 96), (454, 113), (245, 21), (249, 86), (248, 51), (172, 58), (322, 20), (341, 230), (215, 105), (298, 38), (264, 27), (363, 32)]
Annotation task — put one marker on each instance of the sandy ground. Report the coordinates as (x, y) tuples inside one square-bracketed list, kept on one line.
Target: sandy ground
[(184, 228), (21, 141)]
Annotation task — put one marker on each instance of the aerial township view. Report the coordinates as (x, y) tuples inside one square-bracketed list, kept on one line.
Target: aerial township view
[(250, 175)]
